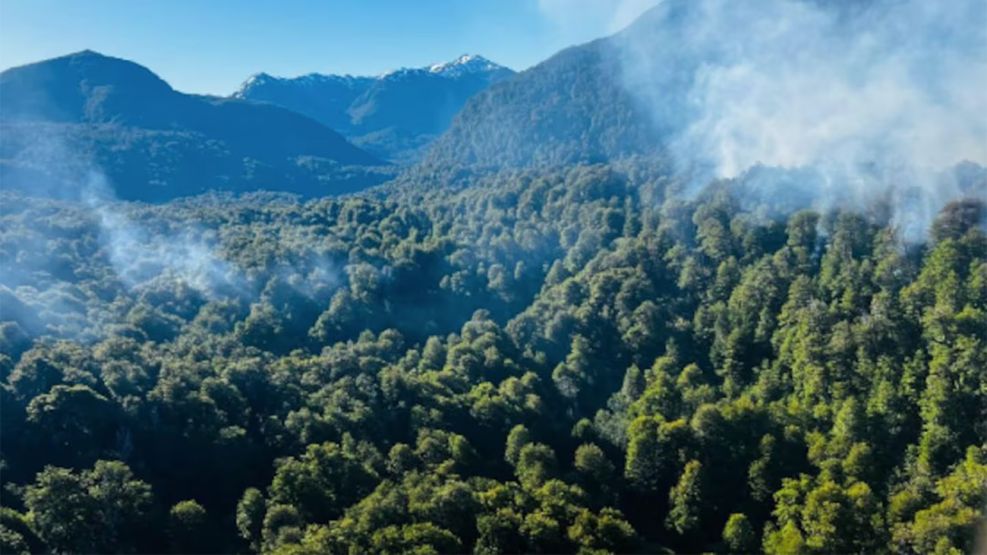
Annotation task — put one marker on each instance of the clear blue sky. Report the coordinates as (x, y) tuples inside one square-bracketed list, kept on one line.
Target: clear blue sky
[(211, 46)]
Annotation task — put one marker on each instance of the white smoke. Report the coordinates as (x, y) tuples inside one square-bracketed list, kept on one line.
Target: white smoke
[(137, 253), (870, 94), (139, 257)]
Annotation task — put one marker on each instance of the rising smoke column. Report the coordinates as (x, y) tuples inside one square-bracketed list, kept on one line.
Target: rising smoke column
[(877, 97)]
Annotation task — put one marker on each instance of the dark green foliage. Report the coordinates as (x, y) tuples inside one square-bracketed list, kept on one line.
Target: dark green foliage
[(738, 535), (545, 362), (188, 528), (93, 511)]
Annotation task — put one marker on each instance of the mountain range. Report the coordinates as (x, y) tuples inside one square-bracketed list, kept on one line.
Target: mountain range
[(87, 113), (627, 95), (72, 123), (395, 116), (316, 134)]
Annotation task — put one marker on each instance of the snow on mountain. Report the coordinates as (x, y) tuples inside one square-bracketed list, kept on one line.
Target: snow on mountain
[(394, 115), (467, 63)]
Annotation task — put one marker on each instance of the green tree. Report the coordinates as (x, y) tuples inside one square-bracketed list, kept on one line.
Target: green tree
[(100, 510), (250, 512), (596, 471), (78, 423), (536, 463), (685, 499), (607, 531), (738, 534), (321, 482), (188, 527), (518, 437)]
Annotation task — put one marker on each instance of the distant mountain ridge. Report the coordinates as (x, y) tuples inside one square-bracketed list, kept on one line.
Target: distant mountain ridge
[(394, 115), (87, 110)]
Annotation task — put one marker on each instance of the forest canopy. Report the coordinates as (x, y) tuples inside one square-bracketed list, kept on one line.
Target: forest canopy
[(548, 360)]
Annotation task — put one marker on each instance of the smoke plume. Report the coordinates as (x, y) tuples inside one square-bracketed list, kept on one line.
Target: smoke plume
[(878, 98), (139, 255)]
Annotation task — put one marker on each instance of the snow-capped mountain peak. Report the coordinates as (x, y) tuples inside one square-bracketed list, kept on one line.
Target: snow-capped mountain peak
[(395, 114), (256, 79), (467, 63)]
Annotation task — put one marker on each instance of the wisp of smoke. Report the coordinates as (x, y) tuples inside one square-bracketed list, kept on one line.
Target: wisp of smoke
[(877, 97), (146, 248), (139, 255)]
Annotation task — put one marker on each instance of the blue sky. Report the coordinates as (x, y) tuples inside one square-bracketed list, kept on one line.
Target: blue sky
[(211, 46)]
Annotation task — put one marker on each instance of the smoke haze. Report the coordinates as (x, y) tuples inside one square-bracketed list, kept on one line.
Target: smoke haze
[(139, 255), (878, 98)]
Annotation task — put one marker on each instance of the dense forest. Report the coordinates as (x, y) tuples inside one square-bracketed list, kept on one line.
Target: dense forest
[(580, 360)]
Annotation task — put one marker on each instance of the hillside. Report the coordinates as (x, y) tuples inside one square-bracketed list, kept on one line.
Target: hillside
[(395, 115), (628, 94), (572, 107), (719, 87), (87, 113)]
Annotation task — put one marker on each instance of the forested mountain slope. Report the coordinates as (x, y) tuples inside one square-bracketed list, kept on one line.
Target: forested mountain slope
[(718, 87), (585, 104), (545, 362), (87, 113), (570, 108)]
